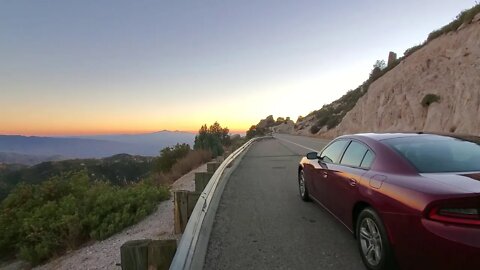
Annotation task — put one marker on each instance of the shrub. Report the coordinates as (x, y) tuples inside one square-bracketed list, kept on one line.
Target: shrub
[(464, 17), (194, 159), (332, 114), (39, 221), (413, 49), (429, 99), (314, 129), (190, 162), (170, 155), (212, 139)]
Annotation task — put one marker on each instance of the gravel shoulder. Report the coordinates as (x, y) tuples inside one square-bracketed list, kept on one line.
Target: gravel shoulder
[(106, 254)]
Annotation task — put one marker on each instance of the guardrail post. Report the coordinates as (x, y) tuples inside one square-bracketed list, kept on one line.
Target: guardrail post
[(212, 166), (147, 254), (201, 180), (134, 255), (184, 203), (161, 253)]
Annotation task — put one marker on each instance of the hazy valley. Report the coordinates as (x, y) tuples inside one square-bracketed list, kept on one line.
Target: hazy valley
[(33, 150)]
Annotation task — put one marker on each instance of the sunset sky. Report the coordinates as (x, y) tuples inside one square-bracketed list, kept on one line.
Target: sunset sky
[(95, 67)]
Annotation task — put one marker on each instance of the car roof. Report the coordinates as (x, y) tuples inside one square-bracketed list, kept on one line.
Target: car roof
[(384, 136)]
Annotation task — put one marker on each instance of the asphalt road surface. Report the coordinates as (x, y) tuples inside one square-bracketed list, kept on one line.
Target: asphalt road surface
[(261, 222)]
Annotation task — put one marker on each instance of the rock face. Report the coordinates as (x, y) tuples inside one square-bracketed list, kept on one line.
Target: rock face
[(392, 57), (267, 122), (285, 127), (448, 66)]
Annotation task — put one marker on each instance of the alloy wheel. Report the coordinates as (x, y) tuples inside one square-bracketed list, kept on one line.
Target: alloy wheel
[(301, 184), (371, 241)]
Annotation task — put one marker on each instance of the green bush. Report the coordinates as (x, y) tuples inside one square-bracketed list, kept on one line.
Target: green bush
[(429, 99), (212, 139), (170, 155), (255, 131), (120, 169), (413, 49), (40, 221), (464, 17), (332, 114), (314, 129)]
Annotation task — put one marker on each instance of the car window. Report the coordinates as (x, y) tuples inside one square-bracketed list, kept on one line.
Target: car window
[(333, 152), (367, 160), (354, 154), (435, 154)]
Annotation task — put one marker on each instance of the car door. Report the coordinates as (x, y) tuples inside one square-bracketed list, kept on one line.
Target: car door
[(329, 156), (342, 187)]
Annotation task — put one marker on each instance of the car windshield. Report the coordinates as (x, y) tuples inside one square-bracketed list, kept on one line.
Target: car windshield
[(436, 154)]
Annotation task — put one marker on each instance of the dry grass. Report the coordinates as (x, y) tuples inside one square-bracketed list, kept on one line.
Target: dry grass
[(191, 161)]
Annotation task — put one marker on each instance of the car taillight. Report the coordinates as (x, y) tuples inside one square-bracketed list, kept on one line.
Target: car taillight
[(459, 215)]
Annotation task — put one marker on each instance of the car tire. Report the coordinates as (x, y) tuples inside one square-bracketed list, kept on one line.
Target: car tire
[(372, 240), (302, 187)]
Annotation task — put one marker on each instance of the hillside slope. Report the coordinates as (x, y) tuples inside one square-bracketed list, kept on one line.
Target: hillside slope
[(448, 66), (434, 87)]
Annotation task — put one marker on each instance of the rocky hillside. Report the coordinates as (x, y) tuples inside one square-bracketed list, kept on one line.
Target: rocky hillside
[(269, 124), (435, 87)]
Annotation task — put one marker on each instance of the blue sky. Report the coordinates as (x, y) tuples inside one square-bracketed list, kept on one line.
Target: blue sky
[(75, 67)]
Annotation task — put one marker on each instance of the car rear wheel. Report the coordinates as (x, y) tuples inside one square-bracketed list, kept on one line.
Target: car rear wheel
[(372, 241), (302, 187)]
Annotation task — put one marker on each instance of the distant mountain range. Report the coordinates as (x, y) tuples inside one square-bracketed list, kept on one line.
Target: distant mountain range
[(33, 150)]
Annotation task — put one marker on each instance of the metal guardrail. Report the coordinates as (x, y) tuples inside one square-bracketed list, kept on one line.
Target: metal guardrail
[(192, 248)]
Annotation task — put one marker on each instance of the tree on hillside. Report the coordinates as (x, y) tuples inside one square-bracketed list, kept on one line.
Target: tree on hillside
[(212, 139), (255, 131), (377, 70), (170, 155), (221, 133)]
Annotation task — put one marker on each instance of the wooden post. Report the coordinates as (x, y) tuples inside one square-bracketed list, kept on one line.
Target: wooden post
[(134, 255), (201, 180), (212, 166), (161, 253), (184, 203)]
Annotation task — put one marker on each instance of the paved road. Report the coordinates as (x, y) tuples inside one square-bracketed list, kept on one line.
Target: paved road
[(261, 223)]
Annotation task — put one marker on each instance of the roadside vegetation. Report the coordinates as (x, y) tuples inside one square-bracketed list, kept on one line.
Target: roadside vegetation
[(120, 170), (54, 207), (330, 115), (44, 220), (213, 139)]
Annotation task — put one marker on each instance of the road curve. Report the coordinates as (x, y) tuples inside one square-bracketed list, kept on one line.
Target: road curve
[(261, 223)]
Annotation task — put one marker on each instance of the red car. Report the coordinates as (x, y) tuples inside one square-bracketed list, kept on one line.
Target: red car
[(411, 200)]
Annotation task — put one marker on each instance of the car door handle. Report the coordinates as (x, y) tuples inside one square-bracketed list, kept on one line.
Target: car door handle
[(325, 174), (352, 182)]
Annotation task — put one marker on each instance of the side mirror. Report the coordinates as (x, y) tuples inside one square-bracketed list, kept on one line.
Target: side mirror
[(312, 155)]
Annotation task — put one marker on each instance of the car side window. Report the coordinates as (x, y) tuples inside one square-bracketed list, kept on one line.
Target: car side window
[(367, 160), (333, 152), (354, 154)]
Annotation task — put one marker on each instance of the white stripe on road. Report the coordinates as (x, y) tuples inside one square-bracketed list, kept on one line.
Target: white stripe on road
[(308, 148)]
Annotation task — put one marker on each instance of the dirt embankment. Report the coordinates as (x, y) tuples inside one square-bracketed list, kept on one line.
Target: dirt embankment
[(447, 69)]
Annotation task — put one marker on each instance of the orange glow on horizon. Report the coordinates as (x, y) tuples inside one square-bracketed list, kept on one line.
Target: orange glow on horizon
[(105, 131)]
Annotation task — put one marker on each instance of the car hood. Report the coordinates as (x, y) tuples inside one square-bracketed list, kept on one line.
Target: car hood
[(466, 182)]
